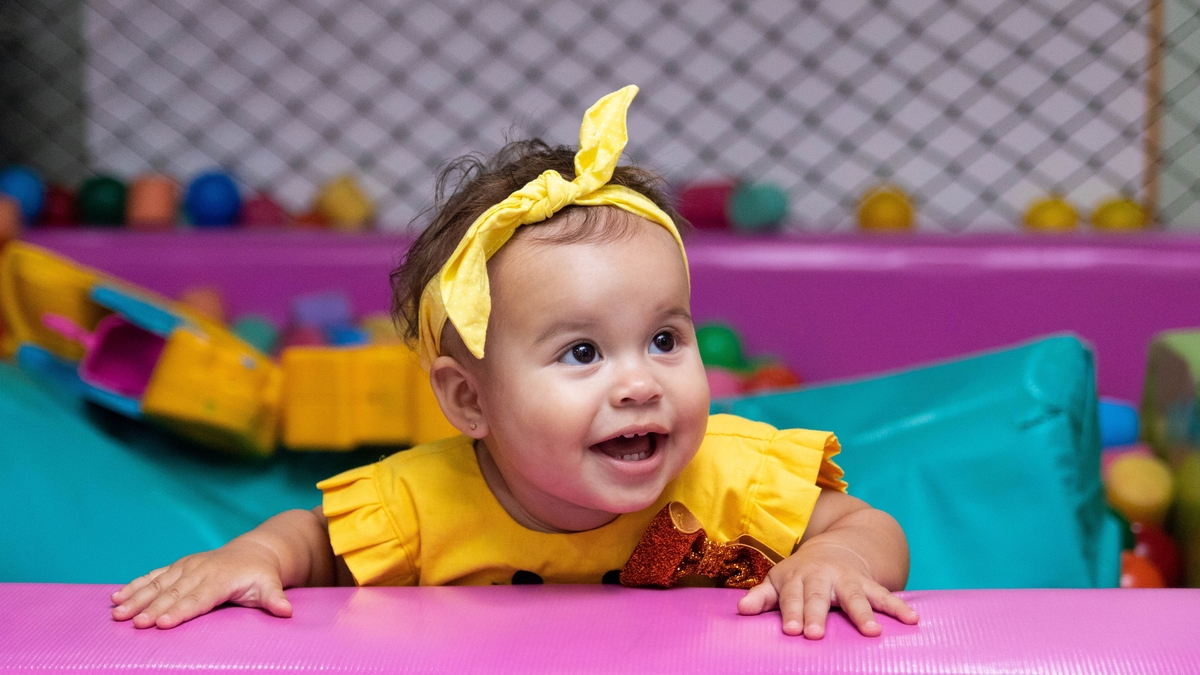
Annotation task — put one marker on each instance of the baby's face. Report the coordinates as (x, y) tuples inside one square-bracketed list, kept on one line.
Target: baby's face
[(592, 386)]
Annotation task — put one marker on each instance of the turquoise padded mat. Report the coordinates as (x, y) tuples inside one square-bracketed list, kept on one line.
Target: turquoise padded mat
[(991, 463), (93, 497)]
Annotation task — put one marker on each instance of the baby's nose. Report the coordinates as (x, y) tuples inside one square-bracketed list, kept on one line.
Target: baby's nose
[(637, 386)]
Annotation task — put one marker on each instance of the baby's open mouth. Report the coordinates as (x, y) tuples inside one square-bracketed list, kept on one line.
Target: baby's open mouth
[(630, 447)]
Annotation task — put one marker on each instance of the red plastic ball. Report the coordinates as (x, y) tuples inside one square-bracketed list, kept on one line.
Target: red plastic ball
[(772, 376), (58, 210), (1157, 546), (1139, 572)]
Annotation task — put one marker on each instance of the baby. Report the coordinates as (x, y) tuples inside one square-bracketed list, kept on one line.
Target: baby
[(564, 352)]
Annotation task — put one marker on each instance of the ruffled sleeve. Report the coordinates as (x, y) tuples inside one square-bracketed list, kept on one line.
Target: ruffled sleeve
[(379, 543), (796, 465)]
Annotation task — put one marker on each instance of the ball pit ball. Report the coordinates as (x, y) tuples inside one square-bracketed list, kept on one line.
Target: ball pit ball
[(757, 206), (720, 346), (703, 204), (26, 187), (1156, 546), (302, 336), (213, 200), (206, 301), (886, 208), (1140, 487), (1138, 572), (262, 211), (1052, 214), (722, 382), (1118, 422), (258, 331), (1120, 214), (153, 203), (102, 201), (344, 204), (770, 376), (10, 218), (59, 208)]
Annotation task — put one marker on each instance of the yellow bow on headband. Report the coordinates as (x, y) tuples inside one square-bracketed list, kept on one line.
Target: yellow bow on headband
[(461, 293)]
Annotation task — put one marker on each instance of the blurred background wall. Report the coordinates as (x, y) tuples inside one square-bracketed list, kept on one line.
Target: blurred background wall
[(976, 107)]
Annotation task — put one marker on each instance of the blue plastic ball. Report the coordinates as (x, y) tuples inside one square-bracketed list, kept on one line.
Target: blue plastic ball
[(24, 185), (213, 200)]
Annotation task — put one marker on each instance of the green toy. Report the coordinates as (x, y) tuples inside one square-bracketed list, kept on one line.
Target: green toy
[(720, 346), (102, 201)]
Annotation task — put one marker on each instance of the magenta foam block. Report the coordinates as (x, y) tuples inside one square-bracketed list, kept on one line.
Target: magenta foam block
[(829, 306), (601, 629)]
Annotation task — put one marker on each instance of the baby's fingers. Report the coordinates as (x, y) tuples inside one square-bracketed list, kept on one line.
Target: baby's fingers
[(186, 599), (134, 586), (149, 589), (761, 598), (855, 604), (884, 601), (817, 597)]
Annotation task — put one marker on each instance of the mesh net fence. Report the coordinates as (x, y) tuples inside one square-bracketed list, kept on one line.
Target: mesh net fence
[(975, 107)]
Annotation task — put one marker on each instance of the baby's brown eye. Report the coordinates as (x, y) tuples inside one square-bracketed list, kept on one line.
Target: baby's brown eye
[(581, 353), (664, 342)]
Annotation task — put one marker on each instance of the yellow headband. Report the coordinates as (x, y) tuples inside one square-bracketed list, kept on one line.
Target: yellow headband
[(461, 293)]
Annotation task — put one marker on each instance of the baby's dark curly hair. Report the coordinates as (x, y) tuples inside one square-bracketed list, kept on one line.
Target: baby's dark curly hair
[(474, 185)]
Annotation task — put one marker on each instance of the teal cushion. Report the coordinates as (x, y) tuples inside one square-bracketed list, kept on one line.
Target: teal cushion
[(92, 497), (991, 463)]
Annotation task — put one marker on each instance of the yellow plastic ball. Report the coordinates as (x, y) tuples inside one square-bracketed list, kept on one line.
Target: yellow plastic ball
[(1051, 214), (1120, 214), (1140, 487), (345, 205), (886, 208)]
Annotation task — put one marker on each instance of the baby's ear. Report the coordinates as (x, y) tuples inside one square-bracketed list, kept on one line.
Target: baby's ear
[(457, 392)]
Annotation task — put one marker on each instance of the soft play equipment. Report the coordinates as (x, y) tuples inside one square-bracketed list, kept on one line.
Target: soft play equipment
[(173, 363), (1119, 423), (599, 630), (138, 354), (1021, 414), (855, 305), (704, 204), (1120, 214), (1001, 449)]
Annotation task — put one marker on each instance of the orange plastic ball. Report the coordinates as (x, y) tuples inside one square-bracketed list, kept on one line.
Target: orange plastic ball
[(772, 376), (1139, 572)]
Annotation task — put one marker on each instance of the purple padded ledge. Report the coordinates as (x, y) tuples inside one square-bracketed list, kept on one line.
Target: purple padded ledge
[(598, 629), (832, 306)]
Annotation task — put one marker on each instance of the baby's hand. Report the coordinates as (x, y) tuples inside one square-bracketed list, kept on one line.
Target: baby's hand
[(243, 572), (817, 576)]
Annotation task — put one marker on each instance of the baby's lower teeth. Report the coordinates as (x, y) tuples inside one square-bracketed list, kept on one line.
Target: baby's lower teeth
[(635, 457)]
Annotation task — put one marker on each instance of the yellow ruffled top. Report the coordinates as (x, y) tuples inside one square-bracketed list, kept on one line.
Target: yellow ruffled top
[(426, 517)]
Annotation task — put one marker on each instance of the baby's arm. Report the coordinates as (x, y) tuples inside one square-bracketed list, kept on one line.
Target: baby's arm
[(852, 556), (290, 549)]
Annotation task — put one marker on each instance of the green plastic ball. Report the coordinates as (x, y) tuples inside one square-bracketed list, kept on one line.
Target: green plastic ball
[(101, 201), (258, 331), (720, 346), (758, 206)]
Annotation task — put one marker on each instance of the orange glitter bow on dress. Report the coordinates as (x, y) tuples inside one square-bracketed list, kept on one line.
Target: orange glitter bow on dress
[(676, 551)]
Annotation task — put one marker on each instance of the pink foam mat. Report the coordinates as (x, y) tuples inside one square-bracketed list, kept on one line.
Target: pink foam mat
[(599, 629)]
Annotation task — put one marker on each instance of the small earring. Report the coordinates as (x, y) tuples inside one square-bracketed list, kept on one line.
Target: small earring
[(473, 425)]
